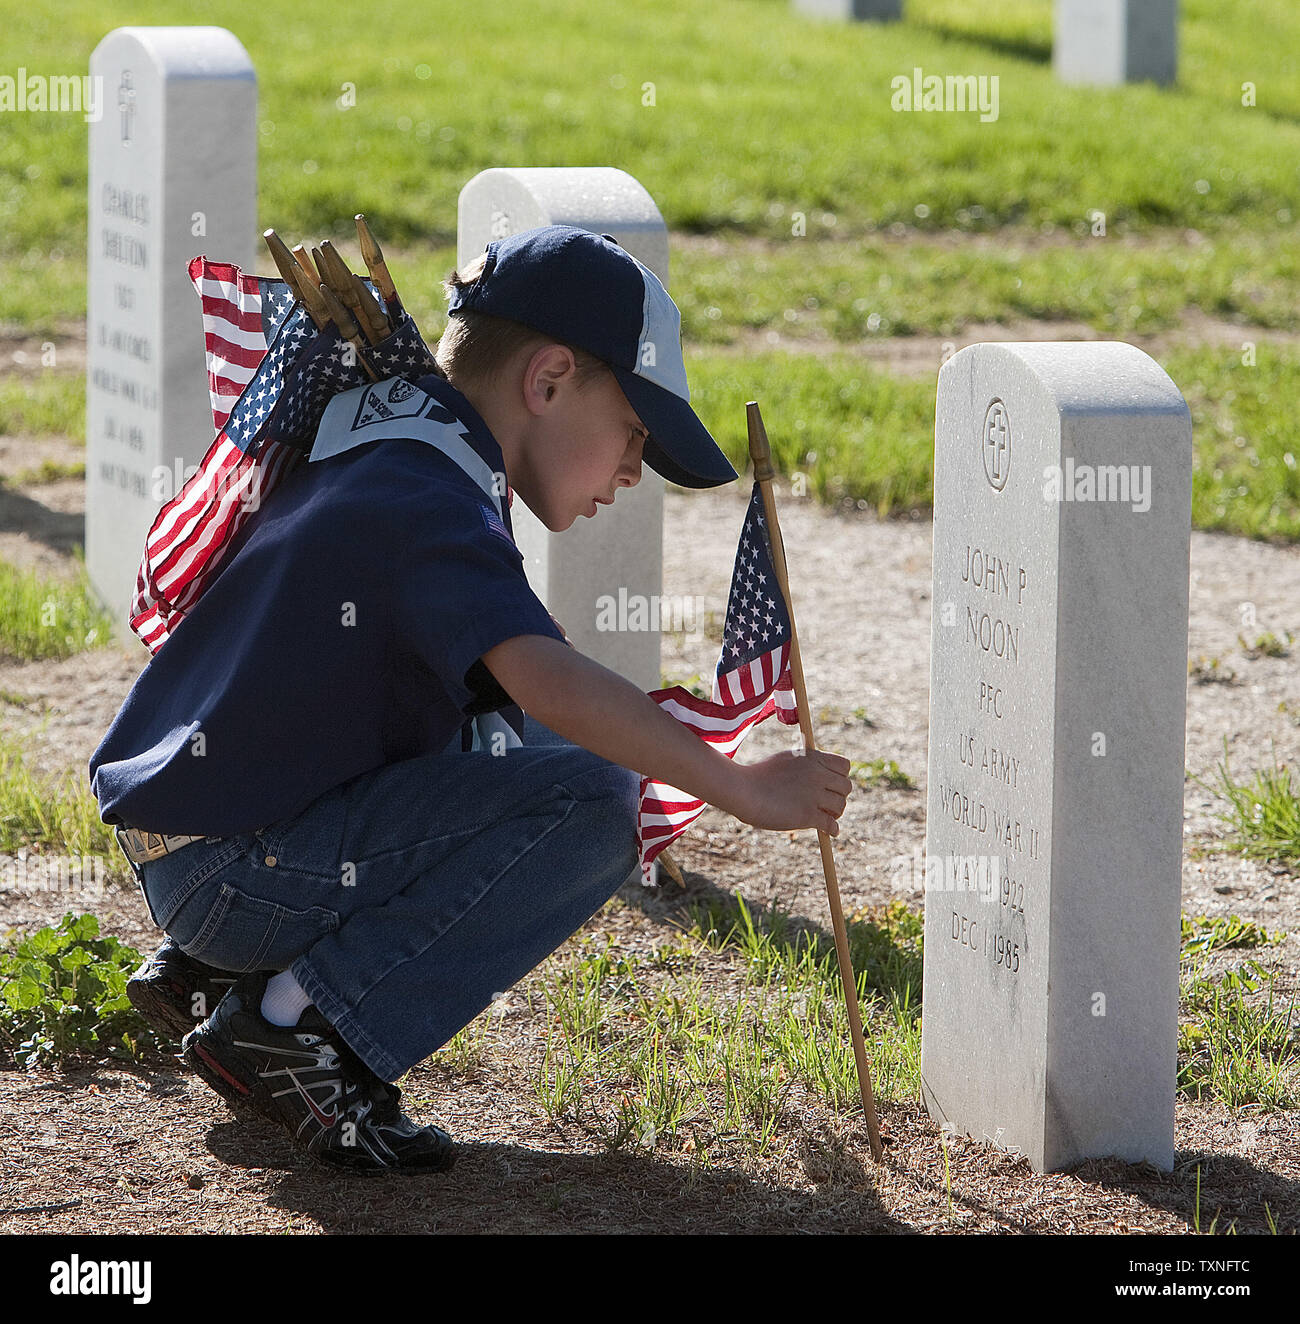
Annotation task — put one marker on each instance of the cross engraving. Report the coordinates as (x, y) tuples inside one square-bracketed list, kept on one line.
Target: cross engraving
[(126, 104), (997, 445)]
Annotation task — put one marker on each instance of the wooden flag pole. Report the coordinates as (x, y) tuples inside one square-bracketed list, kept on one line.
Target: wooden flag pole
[(761, 454), (372, 255), (302, 289)]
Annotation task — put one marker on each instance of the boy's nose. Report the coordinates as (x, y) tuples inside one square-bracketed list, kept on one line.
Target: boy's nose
[(629, 471)]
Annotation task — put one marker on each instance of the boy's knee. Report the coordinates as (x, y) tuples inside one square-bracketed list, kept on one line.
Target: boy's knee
[(618, 787)]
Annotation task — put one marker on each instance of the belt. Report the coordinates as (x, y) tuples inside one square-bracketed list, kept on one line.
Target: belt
[(139, 846)]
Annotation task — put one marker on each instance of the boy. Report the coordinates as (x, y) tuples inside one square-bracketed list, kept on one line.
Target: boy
[(370, 884)]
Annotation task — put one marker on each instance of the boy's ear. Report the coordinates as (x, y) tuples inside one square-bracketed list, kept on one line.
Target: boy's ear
[(546, 369)]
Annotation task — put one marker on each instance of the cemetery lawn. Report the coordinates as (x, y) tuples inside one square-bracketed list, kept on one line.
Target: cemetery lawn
[(681, 1065), (734, 117), (828, 251)]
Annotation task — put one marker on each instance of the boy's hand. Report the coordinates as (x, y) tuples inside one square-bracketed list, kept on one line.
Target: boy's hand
[(793, 790)]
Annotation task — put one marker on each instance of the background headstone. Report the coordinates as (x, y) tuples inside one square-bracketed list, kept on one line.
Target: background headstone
[(851, 9), (173, 173), (1057, 708), (1115, 41), (621, 550)]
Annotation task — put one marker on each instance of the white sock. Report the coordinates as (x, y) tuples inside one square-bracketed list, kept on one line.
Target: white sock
[(285, 1001)]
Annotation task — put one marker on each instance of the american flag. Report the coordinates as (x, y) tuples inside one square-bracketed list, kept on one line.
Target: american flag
[(752, 681), (270, 375)]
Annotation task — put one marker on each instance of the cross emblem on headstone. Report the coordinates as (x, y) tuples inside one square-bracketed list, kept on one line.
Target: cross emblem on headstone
[(997, 445), (997, 438), (126, 104)]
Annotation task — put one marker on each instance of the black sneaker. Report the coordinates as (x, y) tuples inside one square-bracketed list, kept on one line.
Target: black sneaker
[(174, 992), (306, 1079)]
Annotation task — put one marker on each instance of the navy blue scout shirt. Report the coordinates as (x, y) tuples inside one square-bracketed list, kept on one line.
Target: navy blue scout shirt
[(342, 632)]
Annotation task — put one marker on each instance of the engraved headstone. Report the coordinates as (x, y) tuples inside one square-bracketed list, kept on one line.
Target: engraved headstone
[(173, 173), (1062, 526), (1115, 41), (851, 9), (601, 578)]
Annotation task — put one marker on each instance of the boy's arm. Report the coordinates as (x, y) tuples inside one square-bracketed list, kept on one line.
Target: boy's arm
[(595, 707)]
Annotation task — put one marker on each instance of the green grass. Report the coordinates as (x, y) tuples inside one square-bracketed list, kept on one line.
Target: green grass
[(1246, 476), (842, 291), (652, 1055), (49, 471), (51, 815), (857, 433), (48, 404), (875, 287), (1233, 1049), (1234, 1046), (878, 772), (469, 88), (36, 812), (1213, 60), (1203, 935), (915, 223), (44, 290), (1263, 815), (45, 618), (1267, 645), (853, 432)]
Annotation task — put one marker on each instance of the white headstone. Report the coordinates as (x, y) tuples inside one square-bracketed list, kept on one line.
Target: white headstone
[(173, 173), (851, 9), (1062, 528), (1115, 41), (617, 555)]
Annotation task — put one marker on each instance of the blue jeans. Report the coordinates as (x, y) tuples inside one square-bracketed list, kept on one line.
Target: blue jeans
[(405, 899)]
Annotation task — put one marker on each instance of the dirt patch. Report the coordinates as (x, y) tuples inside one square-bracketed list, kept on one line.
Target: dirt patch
[(1002, 238), (921, 356), (41, 524), (23, 356), (22, 454)]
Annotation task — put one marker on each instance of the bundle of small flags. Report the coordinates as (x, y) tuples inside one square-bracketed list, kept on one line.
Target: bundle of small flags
[(271, 374)]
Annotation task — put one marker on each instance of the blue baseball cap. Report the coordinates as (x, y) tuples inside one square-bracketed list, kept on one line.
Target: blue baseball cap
[(586, 290)]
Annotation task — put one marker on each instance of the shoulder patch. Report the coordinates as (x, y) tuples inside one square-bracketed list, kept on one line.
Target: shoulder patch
[(495, 524)]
